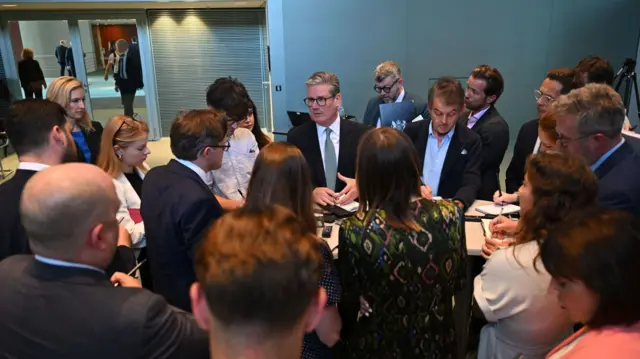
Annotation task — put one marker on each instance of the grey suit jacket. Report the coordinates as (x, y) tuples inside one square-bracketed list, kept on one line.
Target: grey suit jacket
[(372, 112), (59, 312)]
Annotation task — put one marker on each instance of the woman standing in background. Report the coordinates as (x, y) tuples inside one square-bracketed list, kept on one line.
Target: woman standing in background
[(31, 76)]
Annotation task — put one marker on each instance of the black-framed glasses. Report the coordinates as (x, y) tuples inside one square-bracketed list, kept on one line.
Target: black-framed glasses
[(226, 146), (321, 101), (537, 94), (564, 140), (385, 89)]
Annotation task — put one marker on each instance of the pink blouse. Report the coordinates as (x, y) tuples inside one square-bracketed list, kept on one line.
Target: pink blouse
[(608, 342)]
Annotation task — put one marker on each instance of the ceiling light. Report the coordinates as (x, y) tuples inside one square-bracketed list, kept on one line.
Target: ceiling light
[(9, 5)]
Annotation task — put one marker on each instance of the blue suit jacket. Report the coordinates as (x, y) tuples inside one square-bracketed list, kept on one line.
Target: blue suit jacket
[(177, 208), (618, 180)]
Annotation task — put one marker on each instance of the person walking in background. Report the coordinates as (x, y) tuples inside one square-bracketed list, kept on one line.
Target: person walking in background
[(31, 76), (61, 56), (129, 75)]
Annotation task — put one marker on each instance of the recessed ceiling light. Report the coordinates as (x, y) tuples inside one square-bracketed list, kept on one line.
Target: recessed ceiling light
[(9, 5)]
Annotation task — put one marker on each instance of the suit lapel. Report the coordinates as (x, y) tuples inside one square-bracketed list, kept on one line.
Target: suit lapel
[(454, 150), (376, 114), (421, 144), (343, 156), (485, 117)]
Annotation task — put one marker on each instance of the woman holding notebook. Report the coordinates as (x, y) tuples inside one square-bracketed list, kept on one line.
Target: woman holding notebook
[(512, 290), (123, 150)]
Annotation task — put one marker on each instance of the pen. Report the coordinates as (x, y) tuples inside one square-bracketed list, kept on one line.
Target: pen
[(132, 271), (484, 229), (241, 195)]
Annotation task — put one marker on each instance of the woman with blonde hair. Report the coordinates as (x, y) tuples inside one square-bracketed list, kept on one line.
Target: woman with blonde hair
[(123, 151), (69, 93), (30, 74)]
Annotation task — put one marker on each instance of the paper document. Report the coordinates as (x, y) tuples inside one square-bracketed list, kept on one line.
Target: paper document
[(350, 207), (418, 118), (496, 209)]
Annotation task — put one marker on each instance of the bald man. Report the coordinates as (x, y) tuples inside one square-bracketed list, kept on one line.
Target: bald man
[(59, 303)]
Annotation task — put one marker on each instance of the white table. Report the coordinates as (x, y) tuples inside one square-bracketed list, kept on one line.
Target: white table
[(474, 236), (474, 241)]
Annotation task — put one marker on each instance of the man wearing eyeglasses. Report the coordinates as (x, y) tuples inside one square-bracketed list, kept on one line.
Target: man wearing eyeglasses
[(557, 82), (589, 125), (390, 87), (329, 143)]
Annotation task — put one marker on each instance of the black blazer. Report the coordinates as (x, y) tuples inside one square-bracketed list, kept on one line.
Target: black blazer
[(93, 139), (460, 177), (618, 185), (305, 137), (494, 133), (29, 71), (177, 208), (372, 113), (62, 312), (525, 142), (133, 82), (13, 239), (61, 54)]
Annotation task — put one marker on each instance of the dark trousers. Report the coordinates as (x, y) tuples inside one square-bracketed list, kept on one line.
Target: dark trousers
[(63, 68), (127, 102), (31, 93)]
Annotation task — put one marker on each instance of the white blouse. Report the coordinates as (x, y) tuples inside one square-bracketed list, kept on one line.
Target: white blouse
[(524, 315)]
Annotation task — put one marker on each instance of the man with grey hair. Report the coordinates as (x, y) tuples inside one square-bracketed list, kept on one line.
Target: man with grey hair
[(589, 124), (329, 143), (390, 86), (68, 308), (129, 75)]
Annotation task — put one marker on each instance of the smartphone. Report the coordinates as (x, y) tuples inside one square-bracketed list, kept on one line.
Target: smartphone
[(326, 231)]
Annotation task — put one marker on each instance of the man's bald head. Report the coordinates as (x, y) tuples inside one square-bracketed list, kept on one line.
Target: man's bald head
[(62, 205)]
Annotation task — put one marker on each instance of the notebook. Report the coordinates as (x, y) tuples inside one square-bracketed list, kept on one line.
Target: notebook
[(397, 114), (496, 209)]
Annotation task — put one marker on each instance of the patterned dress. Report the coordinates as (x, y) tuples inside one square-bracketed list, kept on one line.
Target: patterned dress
[(312, 347), (408, 278)]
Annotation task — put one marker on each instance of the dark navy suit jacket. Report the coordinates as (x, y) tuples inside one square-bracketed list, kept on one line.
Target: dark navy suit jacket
[(618, 180)]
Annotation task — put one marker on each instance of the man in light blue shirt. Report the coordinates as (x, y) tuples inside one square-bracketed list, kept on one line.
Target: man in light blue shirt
[(450, 152), (589, 125)]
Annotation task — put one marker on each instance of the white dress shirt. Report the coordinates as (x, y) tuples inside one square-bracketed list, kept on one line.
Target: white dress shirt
[(129, 199), (473, 118), (59, 263), (335, 138), (237, 165), (399, 99), (32, 166)]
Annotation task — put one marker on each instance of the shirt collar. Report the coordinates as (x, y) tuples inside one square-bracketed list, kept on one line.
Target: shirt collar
[(604, 157), (400, 97), (59, 263), (32, 166), (447, 136), (335, 127), (205, 176)]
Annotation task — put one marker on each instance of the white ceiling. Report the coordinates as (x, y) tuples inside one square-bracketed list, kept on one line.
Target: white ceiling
[(19, 5)]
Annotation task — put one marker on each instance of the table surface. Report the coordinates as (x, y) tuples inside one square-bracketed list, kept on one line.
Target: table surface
[(473, 230)]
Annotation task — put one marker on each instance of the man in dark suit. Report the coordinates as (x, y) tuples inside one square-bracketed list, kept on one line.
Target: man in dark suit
[(450, 153), (61, 56), (484, 87), (329, 143), (589, 125), (281, 272), (129, 75), (59, 303), (178, 204), (557, 82), (41, 135), (390, 86)]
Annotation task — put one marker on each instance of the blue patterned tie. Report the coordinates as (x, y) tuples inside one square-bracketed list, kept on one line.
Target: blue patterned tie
[(330, 165)]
